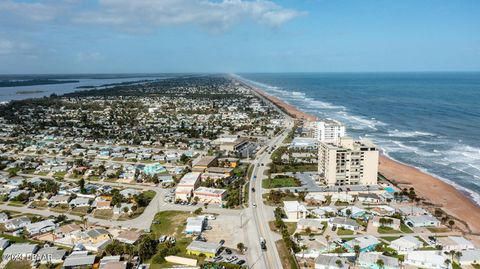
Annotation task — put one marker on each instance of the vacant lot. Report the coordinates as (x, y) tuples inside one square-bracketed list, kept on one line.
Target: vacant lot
[(280, 182)]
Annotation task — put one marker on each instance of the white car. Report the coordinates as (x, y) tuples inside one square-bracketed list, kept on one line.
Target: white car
[(254, 205), (211, 217)]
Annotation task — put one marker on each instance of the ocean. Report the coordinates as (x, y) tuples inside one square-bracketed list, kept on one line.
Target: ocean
[(427, 120)]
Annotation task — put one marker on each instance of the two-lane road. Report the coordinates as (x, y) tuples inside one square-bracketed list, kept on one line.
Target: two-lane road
[(259, 215)]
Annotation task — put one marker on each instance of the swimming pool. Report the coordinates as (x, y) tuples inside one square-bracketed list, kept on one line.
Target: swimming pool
[(390, 189)]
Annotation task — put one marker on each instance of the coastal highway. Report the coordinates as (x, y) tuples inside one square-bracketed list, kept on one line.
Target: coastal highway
[(258, 215)]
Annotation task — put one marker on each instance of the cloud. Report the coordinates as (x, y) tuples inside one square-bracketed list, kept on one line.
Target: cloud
[(8, 47), (148, 14), (34, 11)]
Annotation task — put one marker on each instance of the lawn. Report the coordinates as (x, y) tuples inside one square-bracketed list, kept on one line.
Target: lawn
[(103, 213), (405, 229), (172, 223), (387, 230), (390, 238), (18, 265), (280, 182), (80, 211), (438, 230), (16, 203), (40, 204), (298, 167), (286, 258), (60, 208), (342, 231)]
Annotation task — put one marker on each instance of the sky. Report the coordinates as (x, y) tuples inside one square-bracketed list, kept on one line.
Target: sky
[(150, 36)]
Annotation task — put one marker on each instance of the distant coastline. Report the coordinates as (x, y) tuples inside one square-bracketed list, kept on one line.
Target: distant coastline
[(29, 92), (33, 82)]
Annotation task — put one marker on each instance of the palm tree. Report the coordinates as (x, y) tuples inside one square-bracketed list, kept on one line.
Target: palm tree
[(448, 262), (303, 248), (338, 263), (380, 263), (357, 250), (458, 255)]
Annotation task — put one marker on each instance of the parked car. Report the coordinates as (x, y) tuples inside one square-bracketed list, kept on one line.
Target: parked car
[(221, 242), (241, 262), (162, 239), (228, 251)]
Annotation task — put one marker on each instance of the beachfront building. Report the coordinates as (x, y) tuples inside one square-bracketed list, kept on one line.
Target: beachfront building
[(329, 131), (348, 162)]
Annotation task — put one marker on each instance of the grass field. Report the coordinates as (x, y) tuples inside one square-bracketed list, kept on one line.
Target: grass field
[(286, 258), (280, 182), (387, 230), (103, 213), (173, 223), (342, 231), (80, 211), (405, 229)]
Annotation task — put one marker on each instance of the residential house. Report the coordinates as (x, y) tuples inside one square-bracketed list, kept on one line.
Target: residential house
[(58, 200), (388, 222), (123, 208), (469, 257), (456, 243), (79, 259), (4, 243), (17, 223), (3, 217), (422, 221), (367, 243), (370, 260), (406, 243), (51, 255), (79, 202), (431, 259), (41, 227), (315, 225), (331, 262), (294, 210), (347, 224), (19, 251), (369, 198)]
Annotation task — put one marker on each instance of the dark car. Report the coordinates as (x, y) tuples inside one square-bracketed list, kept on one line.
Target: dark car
[(241, 262), (334, 228), (253, 189), (228, 251), (221, 242)]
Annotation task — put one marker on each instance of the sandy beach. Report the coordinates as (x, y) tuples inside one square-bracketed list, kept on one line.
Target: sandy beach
[(430, 188)]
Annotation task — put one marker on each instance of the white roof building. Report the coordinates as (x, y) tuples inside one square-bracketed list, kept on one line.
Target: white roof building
[(295, 210), (422, 221), (19, 251), (432, 259), (194, 225), (456, 243), (406, 243), (470, 256), (41, 227)]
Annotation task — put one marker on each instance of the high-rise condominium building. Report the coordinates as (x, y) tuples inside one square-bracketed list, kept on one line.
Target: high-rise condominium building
[(348, 162), (329, 131)]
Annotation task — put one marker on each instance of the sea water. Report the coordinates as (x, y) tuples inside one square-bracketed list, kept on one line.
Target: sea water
[(427, 120)]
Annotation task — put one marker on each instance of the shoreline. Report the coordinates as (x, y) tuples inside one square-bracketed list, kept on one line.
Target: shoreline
[(430, 188)]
